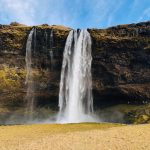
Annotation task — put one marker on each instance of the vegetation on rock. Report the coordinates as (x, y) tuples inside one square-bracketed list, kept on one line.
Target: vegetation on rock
[(120, 66)]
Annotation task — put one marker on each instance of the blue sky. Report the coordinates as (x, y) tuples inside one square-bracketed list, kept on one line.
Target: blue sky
[(75, 13)]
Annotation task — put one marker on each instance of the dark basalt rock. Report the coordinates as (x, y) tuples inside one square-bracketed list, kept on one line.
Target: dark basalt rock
[(120, 66)]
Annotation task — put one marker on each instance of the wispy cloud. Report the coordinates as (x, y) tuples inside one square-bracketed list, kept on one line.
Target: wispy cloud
[(19, 10), (73, 13), (145, 14), (113, 12), (140, 10)]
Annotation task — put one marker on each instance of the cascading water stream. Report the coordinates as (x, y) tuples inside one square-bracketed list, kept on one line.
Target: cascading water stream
[(51, 50), (29, 77), (34, 40), (75, 95)]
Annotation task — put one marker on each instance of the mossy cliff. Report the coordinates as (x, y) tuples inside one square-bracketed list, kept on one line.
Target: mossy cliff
[(13, 40), (120, 66)]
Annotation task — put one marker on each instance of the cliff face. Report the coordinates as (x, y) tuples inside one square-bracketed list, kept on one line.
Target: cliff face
[(120, 67), (46, 74), (121, 64)]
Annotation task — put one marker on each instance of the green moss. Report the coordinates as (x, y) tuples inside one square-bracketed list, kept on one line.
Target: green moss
[(11, 79), (130, 114), (137, 114), (13, 37)]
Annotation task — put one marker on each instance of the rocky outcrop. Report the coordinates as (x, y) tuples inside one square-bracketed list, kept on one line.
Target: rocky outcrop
[(120, 67)]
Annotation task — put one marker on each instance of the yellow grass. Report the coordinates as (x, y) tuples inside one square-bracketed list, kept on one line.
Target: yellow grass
[(87, 136)]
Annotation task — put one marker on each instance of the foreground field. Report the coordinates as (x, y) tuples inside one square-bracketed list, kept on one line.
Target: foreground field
[(75, 137)]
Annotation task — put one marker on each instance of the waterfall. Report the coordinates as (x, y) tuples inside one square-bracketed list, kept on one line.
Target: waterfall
[(29, 77), (34, 40), (75, 95), (51, 50), (45, 41)]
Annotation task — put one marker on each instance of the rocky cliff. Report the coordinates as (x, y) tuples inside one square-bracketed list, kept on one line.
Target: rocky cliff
[(120, 66)]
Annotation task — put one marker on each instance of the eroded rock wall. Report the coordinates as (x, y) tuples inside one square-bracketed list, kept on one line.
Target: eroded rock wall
[(121, 64), (120, 67)]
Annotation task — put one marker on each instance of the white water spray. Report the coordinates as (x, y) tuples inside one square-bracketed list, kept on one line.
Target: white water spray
[(75, 95), (29, 77)]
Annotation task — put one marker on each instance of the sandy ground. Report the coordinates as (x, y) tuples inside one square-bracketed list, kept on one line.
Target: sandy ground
[(75, 137)]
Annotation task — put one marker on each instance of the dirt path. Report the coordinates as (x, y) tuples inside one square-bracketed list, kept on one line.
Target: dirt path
[(75, 137)]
